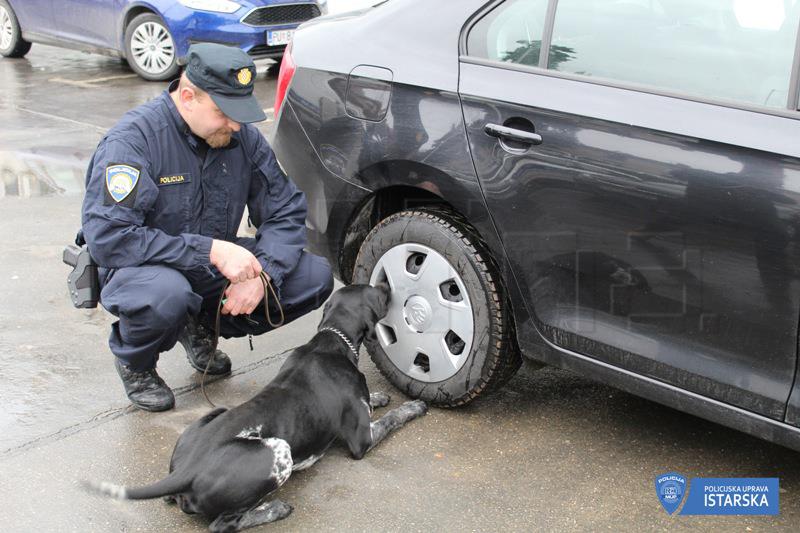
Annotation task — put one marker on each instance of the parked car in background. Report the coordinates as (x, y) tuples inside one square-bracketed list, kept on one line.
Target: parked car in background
[(609, 187), (153, 34)]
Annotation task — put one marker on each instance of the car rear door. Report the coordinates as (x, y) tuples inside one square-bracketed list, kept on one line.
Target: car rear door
[(92, 22), (642, 167), (34, 15)]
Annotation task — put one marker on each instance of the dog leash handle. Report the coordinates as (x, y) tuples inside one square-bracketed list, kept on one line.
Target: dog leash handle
[(267, 284)]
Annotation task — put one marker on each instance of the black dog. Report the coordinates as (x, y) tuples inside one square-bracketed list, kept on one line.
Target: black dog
[(225, 464)]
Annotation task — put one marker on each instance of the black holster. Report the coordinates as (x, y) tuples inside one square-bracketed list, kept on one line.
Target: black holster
[(83, 281)]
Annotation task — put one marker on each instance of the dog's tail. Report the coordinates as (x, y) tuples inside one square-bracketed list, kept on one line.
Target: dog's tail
[(172, 484)]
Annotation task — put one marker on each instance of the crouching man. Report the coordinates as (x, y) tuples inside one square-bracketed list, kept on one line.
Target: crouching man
[(165, 193)]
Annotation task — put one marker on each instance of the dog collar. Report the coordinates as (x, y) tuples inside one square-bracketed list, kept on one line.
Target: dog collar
[(344, 338)]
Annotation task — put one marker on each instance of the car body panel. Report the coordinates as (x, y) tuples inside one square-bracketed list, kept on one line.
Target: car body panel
[(675, 397), (429, 51), (94, 22), (36, 15), (711, 330), (403, 151), (629, 238), (407, 151)]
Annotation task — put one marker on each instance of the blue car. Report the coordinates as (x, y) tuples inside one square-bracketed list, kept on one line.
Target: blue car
[(152, 34)]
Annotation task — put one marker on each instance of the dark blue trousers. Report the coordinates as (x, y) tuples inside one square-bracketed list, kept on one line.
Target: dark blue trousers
[(152, 302)]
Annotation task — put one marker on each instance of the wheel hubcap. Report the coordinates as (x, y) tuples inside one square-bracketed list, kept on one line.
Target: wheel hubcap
[(428, 329), (6, 30), (418, 313), (152, 48)]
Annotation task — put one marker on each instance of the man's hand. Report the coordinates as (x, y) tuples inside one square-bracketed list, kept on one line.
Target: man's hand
[(236, 263), (243, 298)]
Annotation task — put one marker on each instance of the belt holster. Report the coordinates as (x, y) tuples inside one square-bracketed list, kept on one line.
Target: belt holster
[(83, 281)]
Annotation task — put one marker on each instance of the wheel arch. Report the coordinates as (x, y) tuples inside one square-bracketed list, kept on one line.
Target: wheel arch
[(373, 208), (398, 185), (134, 11)]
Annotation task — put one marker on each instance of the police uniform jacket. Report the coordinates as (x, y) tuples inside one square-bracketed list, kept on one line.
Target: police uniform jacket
[(151, 198)]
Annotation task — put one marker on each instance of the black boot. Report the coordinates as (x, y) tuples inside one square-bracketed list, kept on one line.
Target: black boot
[(198, 340), (146, 390)]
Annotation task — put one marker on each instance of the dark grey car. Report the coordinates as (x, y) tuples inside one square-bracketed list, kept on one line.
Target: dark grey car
[(609, 187)]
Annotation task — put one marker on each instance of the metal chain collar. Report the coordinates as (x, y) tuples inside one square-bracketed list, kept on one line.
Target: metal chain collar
[(344, 338)]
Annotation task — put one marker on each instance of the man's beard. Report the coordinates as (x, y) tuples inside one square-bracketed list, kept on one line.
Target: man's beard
[(220, 138)]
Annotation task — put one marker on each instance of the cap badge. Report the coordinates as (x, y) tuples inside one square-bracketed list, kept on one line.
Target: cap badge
[(244, 76)]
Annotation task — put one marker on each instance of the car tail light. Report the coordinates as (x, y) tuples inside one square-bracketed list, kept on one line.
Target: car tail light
[(284, 78)]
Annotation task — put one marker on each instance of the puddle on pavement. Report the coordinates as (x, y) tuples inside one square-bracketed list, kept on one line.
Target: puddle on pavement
[(25, 383), (42, 172), (45, 387)]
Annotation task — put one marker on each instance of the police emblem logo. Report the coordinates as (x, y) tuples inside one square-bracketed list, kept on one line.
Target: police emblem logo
[(121, 180), (244, 76), (670, 489)]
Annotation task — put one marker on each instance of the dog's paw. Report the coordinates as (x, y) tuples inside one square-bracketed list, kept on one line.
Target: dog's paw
[(418, 407), (286, 509), (273, 511), (379, 399)]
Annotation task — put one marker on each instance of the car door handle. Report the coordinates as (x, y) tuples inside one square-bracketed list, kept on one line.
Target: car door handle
[(512, 134)]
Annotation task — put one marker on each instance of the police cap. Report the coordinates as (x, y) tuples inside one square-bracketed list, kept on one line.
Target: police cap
[(227, 74)]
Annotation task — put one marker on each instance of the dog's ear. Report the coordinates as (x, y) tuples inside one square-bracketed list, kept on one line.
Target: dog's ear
[(325, 311), (377, 304), (378, 299), (384, 287)]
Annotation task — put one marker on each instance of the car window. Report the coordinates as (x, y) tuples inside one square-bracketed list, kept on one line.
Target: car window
[(512, 32), (732, 49)]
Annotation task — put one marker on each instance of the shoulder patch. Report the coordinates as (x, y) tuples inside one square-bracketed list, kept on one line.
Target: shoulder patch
[(121, 180)]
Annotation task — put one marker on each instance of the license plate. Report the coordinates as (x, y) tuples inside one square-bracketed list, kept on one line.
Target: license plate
[(279, 37)]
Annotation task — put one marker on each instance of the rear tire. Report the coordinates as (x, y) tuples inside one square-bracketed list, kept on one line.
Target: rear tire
[(11, 42), (150, 49), (488, 358)]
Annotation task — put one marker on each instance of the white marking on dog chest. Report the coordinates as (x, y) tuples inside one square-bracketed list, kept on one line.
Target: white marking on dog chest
[(282, 453)]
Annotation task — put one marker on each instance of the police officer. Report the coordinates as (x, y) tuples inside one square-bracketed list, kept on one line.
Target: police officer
[(165, 193)]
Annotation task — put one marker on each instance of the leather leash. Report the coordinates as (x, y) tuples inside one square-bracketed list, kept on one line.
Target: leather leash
[(267, 283)]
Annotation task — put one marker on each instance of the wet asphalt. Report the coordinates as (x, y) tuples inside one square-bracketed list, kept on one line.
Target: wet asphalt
[(552, 451)]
